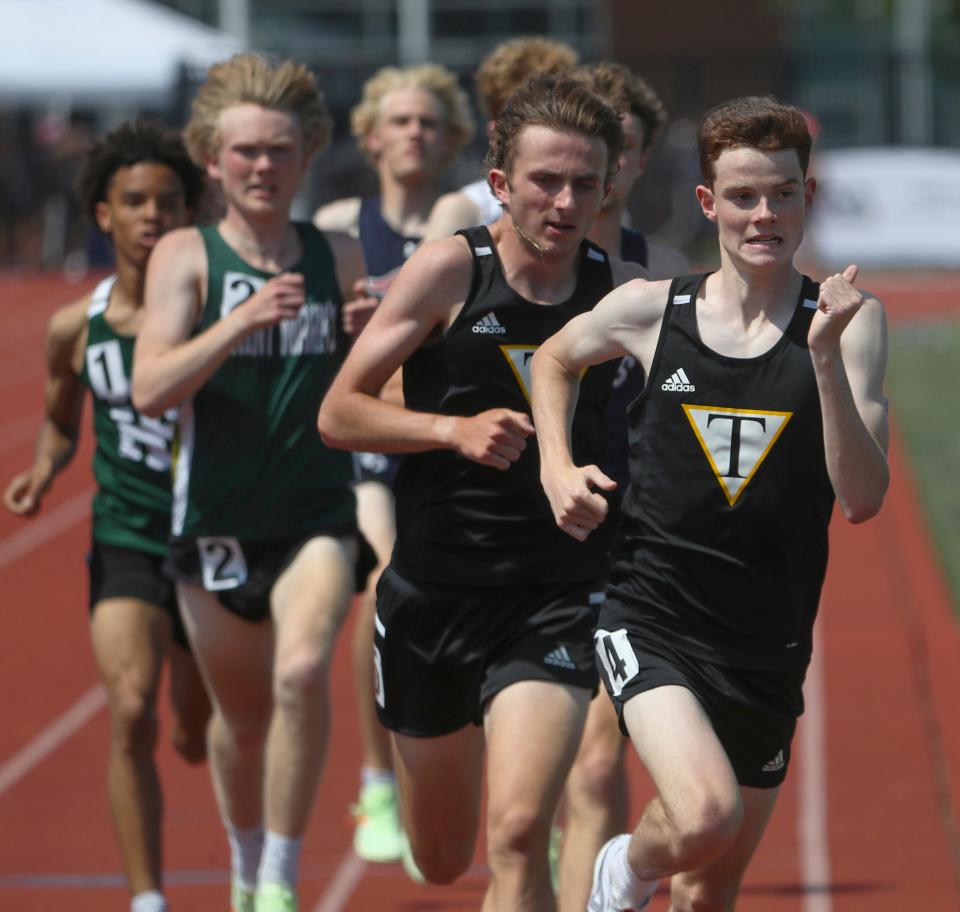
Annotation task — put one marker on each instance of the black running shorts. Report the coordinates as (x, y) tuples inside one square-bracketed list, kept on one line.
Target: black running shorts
[(754, 713), (118, 572), (442, 653), (242, 574)]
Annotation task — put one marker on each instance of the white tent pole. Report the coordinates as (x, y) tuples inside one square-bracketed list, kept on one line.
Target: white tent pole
[(234, 19), (912, 39), (413, 27)]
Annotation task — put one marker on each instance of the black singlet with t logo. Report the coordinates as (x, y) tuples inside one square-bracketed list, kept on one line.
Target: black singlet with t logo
[(462, 523), (722, 547)]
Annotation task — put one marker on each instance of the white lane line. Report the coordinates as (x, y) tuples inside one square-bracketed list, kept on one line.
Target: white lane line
[(58, 731), (812, 829), (45, 527), (349, 873)]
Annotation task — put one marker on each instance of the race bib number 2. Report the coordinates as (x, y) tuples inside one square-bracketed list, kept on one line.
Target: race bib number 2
[(222, 563), (617, 657)]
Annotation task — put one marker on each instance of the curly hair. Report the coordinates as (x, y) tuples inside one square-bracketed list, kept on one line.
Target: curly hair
[(627, 93), (129, 144), (509, 65), (560, 104), (756, 122), (429, 77), (254, 79)]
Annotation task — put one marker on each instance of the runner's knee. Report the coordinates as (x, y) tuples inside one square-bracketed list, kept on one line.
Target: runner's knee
[(133, 720), (300, 677), (597, 776), (517, 832), (705, 832)]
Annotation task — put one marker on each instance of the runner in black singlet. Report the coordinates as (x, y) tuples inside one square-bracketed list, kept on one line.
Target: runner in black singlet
[(483, 612), (764, 401)]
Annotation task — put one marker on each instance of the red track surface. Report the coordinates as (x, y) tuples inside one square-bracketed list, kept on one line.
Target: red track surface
[(890, 659)]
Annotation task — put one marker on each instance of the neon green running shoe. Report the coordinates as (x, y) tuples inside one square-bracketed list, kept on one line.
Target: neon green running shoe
[(377, 836), (241, 898), (275, 897), (556, 845), (410, 864)]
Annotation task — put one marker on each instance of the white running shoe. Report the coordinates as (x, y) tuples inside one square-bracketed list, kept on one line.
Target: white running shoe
[(602, 893)]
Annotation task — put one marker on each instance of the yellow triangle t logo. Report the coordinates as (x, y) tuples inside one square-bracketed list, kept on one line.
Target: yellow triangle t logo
[(735, 441), (519, 358)]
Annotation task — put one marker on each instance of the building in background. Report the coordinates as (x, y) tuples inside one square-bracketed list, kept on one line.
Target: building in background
[(872, 72)]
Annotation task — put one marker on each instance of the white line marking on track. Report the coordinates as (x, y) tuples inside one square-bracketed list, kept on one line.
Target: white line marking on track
[(45, 527), (58, 731), (812, 829), (349, 873)]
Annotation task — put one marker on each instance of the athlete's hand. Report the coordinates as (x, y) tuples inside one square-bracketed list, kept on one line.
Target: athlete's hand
[(837, 305), (359, 309), (577, 506), (494, 438), (280, 298), (24, 493)]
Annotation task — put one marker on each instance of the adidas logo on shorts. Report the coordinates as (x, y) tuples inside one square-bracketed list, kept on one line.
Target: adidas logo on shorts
[(489, 324), (560, 657), (776, 764), (678, 382)]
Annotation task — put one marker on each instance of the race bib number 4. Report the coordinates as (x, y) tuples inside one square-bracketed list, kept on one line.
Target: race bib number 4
[(617, 657)]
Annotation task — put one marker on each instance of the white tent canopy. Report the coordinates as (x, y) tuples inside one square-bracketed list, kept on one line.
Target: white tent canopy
[(99, 52)]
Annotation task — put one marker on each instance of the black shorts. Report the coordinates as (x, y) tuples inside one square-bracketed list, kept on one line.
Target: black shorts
[(442, 652), (242, 574), (380, 467), (749, 710), (118, 572)]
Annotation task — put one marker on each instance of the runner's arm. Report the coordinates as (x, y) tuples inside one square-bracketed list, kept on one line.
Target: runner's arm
[(848, 347), (63, 407), (340, 215), (169, 365), (620, 324), (449, 214), (420, 303), (358, 303)]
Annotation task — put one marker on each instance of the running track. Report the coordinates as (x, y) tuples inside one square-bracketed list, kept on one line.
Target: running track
[(868, 819)]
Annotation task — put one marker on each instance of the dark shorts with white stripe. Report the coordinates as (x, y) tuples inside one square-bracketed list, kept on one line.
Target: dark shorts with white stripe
[(441, 653), (753, 712)]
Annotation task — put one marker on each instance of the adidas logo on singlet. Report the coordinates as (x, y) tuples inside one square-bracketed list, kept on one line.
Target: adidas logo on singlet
[(678, 382), (559, 657), (489, 324), (775, 765)]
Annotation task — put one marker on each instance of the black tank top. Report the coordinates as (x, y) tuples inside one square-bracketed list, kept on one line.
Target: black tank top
[(722, 546), (461, 523)]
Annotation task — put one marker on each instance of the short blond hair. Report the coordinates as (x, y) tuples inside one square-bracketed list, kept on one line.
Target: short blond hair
[(251, 78), (628, 94), (429, 77), (509, 65)]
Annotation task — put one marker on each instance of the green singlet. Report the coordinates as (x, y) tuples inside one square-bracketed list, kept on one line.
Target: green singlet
[(131, 462), (250, 463)]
